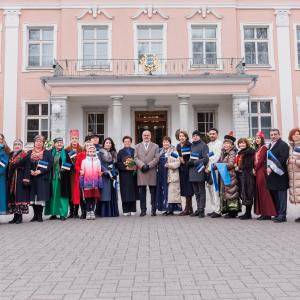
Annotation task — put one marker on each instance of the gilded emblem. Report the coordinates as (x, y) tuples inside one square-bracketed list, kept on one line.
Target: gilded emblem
[(150, 63)]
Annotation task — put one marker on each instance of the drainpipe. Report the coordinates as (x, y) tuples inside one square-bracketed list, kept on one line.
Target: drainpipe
[(253, 84), (44, 82)]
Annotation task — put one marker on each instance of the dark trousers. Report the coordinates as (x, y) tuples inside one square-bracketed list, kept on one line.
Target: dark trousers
[(129, 206), (280, 200), (142, 192), (82, 206), (200, 194), (90, 204)]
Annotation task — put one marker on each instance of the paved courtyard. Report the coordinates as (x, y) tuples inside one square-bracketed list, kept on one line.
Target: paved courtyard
[(150, 258)]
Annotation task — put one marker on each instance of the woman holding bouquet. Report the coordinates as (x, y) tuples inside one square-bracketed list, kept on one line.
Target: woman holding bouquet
[(128, 179)]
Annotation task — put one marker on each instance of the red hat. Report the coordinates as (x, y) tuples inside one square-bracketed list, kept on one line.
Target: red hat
[(260, 134), (74, 132)]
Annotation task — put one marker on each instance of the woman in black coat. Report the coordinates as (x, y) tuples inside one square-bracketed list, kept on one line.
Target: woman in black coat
[(18, 180), (40, 168), (186, 188), (128, 178), (246, 178)]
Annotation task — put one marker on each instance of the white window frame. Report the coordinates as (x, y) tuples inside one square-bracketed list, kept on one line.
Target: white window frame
[(297, 63), (80, 43), (25, 58), (205, 109), (271, 65), (135, 48), (274, 121), (219, 44), (26, 117)]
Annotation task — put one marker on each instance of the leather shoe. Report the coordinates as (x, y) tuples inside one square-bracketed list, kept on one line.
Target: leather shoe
[(195, 214), (143, 214), (62, 218), (53, 218), (215, 215), (170, 213), (262, 218), (153, 214), (210, 214), (280, 220), (297, 220), (201, 214)]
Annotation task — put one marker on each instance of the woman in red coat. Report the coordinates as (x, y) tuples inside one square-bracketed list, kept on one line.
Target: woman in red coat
[(264, 205)]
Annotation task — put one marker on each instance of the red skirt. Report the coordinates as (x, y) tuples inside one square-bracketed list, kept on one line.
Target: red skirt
[(91, 193)]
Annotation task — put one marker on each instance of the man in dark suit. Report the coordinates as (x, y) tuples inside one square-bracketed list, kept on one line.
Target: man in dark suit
[(278, 184)]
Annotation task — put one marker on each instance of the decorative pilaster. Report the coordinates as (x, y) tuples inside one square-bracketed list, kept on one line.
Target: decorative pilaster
[(240, 115), (184, 111), (285, 71), (11, 74), (117, 119), (58, 118)]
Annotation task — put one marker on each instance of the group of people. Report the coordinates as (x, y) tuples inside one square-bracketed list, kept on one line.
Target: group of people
[(59, 181)]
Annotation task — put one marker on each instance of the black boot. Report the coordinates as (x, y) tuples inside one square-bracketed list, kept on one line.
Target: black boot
[(35, 213), (76, 208), (71, 215), (40, 213), (20, 219), (14, 220), (247, 215)]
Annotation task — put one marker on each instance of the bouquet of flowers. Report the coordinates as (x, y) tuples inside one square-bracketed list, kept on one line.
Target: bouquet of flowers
[(49, 144), (130, 164)]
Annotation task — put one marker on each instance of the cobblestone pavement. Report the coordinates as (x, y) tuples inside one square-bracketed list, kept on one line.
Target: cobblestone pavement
[(150, 258)]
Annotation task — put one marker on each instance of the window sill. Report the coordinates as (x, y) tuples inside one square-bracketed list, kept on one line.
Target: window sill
[(39, 69), (261, 67), (205, 67)]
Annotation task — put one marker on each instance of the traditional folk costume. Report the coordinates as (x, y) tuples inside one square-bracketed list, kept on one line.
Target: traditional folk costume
[(108, 206), (72, 152), (18, 180), (40, 185), (246, 179), (3, 178), (128, 181), (264, 205), (229, 194), (168, 197), (60, 183), (91, 182), (186, 188)]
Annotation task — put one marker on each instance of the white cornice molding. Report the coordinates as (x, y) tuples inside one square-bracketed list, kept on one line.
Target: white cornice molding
[(203, 11), (150, 10), (94, 11), (12, 17)]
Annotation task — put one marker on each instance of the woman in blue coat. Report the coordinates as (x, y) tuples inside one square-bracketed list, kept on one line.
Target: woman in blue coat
[(4, 152)]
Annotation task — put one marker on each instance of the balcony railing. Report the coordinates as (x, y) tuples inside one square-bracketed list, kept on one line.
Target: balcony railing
[(133, 67)]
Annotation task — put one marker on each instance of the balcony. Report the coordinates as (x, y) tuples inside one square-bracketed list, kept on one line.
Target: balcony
[(177, 67)]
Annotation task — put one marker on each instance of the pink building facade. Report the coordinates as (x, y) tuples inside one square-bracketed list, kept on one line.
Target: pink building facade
[(74, 64)]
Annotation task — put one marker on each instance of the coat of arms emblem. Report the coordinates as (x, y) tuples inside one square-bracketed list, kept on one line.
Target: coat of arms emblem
[(150, 63)]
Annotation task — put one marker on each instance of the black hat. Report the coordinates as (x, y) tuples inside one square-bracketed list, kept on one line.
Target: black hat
[(230, 137), (58, 139), (196, 132)]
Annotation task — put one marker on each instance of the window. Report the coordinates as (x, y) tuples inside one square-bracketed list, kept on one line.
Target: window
[(95, 46), (204, 44), (150, 40), (40, 47), (261, 117), (298, 43), (256, 45), (36, 121), (205, 121), (95, 124)]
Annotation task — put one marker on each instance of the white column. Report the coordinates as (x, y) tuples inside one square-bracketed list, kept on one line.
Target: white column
[(58, 118), (184, 111), (240, 115), (285, 71), (11, 74), (117, 120)]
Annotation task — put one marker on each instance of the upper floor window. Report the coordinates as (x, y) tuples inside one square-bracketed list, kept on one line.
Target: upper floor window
[(150, 40), (40, 47), (298, 44), (36, 121), (261, 117), (204, 44), (95, 46), (256, 45)]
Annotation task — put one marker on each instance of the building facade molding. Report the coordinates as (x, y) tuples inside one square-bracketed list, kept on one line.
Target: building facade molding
[(204, 11)]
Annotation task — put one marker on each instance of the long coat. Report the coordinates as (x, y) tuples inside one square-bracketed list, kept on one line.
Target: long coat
[(294, 174), (201, 149), (128, 178), (40, 184), (264, 204), (173, 180), (3, 190), (246, 178), (274, 181), (76, 186), (146, 157), (18, 170)]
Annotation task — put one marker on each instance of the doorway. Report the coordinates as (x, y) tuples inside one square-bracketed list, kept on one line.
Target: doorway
[(154, 121)]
